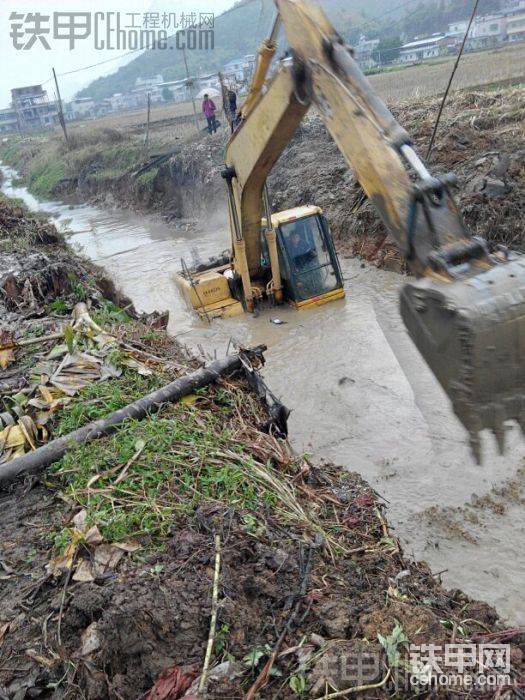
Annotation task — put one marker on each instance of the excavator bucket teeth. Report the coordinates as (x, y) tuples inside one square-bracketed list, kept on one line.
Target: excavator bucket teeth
[(471, 332)]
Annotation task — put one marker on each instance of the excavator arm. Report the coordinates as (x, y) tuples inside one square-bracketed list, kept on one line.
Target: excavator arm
[(466, 309)]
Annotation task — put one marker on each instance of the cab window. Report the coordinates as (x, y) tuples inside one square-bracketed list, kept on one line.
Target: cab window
[(313, 270)]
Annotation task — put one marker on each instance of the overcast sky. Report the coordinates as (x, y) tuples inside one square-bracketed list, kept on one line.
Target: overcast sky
[(27, 67)]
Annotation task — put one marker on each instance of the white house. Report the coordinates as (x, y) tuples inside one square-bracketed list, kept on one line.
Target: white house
[(239, 69), (422, 49), (180, 90), (82, 108), (8, 120), (516, 26), (363, 52), (456, 32), (149, 82), (487, 31), (210, 81)]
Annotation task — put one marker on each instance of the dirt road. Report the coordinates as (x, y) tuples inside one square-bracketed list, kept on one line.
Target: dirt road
[(359, 393)]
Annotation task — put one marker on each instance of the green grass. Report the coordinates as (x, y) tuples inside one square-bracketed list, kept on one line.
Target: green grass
[(45, 174), (101, 398), (188, 457), (109, 314), (43, 163), (145, 181)]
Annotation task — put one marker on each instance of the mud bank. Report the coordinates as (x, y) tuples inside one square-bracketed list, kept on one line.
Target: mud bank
[(481, 139), (309, 572)]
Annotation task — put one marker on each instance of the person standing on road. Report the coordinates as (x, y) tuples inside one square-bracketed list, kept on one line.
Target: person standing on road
[(209, 109)]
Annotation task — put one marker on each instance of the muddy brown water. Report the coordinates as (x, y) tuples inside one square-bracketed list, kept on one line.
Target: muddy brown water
[(360, 396)]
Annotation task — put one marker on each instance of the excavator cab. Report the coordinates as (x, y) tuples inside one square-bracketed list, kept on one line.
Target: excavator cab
[(309, 266)]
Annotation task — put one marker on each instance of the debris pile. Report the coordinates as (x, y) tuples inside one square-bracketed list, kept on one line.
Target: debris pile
[(481, 138)]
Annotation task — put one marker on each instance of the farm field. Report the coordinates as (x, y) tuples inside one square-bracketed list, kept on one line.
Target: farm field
[(428, 79), (407, 83)]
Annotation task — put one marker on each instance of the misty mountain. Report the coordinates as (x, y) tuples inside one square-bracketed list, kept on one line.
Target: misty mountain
[(240, 30)]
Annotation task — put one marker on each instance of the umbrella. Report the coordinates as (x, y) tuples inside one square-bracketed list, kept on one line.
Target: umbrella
[(211, 92)]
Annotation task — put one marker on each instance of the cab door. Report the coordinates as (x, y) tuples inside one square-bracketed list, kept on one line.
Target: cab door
[(309, 264)]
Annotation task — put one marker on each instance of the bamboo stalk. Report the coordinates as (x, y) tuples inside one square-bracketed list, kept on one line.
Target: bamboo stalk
[(214, 609)]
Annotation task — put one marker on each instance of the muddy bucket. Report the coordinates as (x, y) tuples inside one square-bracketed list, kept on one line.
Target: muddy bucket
[(471, 333)]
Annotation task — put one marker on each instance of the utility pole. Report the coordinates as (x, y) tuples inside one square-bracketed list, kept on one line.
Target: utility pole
[(190, 84), (225, 106), (146, 137), (60, 110)]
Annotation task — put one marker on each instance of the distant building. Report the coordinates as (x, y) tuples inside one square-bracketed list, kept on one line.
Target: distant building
[(8, 121), (121, 101), (181, 90), (140, 95), (487, 31), (512, 5), (516, 26), (421, 49), (103, 107), (33, 108), (210, 81), (456, 32), (81, 108), (239, 70), (364, 51), (149, 82)]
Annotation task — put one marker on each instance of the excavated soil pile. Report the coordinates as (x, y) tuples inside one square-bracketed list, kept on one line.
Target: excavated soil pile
[(110, 560), (36, 268), (481, 138)]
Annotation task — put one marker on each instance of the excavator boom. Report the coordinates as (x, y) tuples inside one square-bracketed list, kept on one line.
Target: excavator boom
[(465, 311)]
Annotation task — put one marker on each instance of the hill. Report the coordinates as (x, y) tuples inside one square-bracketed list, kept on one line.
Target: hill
[(237, 32), (240, 30)]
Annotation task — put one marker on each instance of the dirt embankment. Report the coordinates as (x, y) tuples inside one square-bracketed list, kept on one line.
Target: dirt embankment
[(481, 138), (110, 167), (109, 561)]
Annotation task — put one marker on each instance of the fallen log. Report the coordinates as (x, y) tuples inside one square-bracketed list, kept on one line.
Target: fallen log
[(47, 454)]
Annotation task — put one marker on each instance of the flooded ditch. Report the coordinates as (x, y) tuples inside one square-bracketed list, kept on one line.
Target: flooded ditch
[(359, 392)]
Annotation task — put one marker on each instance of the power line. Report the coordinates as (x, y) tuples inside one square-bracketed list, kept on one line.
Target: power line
[(454, 69), (388, 12), (249, 2)]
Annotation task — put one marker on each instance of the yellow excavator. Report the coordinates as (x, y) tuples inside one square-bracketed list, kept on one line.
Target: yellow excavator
[(464, 308)]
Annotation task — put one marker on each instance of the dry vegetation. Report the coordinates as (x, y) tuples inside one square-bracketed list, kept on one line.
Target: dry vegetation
[(175, 121), (430, 78)]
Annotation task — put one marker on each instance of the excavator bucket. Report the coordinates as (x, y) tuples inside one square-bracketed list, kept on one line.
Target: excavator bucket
[(471, 332)]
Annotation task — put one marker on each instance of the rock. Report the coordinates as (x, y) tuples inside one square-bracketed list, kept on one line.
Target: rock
[(91, 640), (501, 167), (335, 615), (495, 188)]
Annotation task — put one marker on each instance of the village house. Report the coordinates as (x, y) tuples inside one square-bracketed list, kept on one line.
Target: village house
[(150, 82), (456, 32), (421, 49), (364, 51), (180, 90), (211, 81), (33, 108), (8, 121), (81, 108), (487, 32), (516, 24), (239, 70)]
